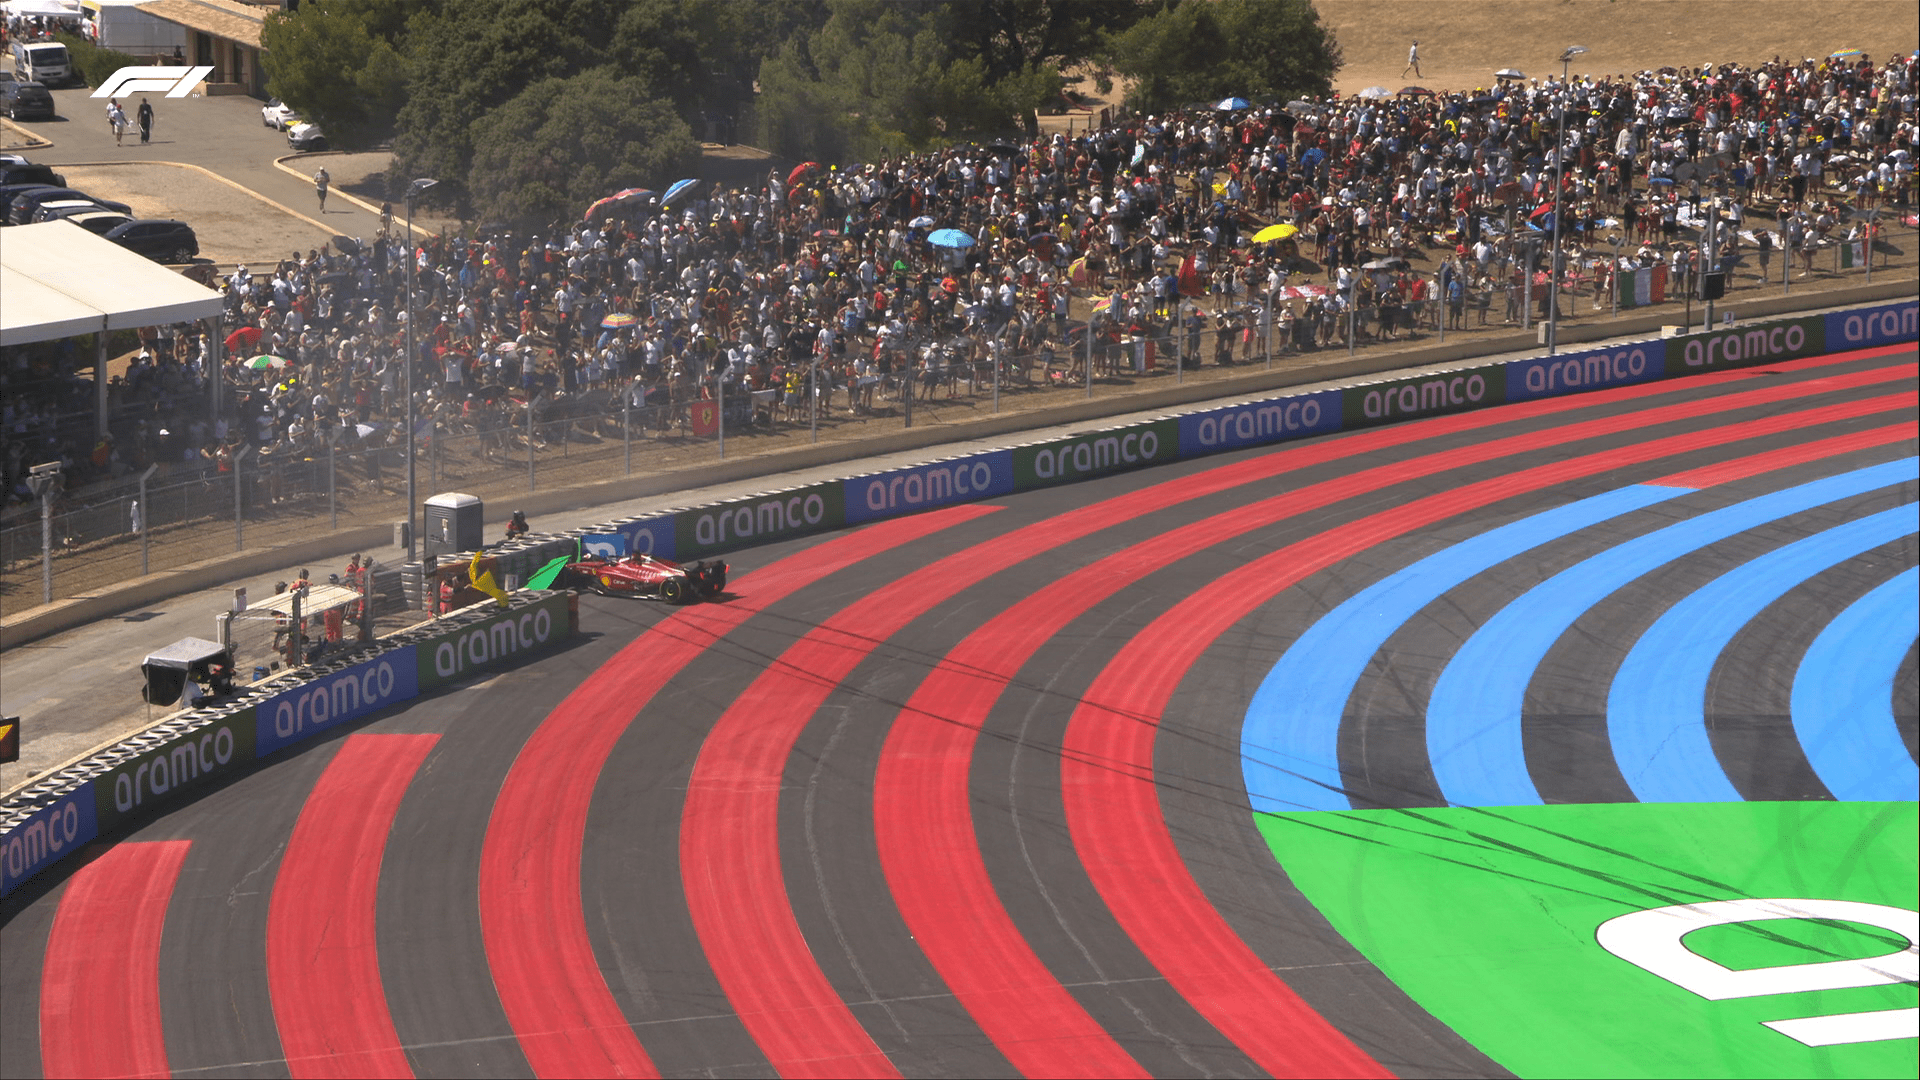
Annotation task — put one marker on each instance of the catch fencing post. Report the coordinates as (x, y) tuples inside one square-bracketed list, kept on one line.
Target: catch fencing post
[(239, 501), (333, 507), (996, 381), (43, 479), (1866, 241), (1173, 339), (146, 511), (530, 440), (720, 413), (813, 399), (1089, 358), (626, 424)]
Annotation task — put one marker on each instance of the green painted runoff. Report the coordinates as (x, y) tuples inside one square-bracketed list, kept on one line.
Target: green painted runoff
[(1486, 917)]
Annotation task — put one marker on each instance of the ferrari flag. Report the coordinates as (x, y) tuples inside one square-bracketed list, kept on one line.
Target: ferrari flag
[(1190, 283)]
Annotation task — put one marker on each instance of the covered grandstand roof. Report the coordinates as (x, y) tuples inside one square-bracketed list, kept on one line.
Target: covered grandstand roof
[(57, 280)]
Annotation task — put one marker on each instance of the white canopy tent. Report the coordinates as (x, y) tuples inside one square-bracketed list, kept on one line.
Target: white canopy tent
[(58, 9), (58, 280)]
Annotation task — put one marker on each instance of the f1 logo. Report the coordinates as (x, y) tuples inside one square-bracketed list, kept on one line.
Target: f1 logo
[(129, 81)]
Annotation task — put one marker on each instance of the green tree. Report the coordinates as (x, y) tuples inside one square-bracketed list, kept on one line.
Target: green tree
[(468, 57), (881, 76), (339, 63), (1198, 51), (563, 142)]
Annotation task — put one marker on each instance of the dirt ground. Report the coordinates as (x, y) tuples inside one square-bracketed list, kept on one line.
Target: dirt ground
[(234, 226), (1463, 42)]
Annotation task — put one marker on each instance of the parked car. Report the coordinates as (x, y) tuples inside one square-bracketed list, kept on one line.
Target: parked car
[(26, 101), (303, 136), (97, 222), (20, 209), (47, 211), (24, 205), (30, 173), (10, 192), (278, 115), (160, 239)]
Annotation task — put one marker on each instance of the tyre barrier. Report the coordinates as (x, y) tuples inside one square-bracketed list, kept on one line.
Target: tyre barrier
[(192, 750)]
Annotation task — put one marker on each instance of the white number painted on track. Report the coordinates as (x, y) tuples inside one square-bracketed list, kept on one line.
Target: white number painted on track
[(1651, 940)]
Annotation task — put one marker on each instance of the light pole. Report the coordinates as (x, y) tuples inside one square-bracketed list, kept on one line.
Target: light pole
[(1559, 179), (413, 189)]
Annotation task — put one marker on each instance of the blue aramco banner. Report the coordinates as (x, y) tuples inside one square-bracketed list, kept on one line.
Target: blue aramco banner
[(53, 832), (1887, 324), (1590, 369), (922, 487), (1256, 423), (312, 707)]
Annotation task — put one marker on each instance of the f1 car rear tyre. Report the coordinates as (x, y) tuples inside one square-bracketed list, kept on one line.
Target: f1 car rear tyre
[(673, 590)]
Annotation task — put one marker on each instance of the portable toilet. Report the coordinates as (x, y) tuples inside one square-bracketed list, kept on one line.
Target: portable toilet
[(454, 522)]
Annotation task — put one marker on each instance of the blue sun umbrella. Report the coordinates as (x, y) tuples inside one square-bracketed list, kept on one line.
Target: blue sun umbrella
[(1232, 104), (949, 238), (679, 188)]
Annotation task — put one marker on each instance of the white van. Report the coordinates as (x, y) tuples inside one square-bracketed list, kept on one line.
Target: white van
[(44, 62)]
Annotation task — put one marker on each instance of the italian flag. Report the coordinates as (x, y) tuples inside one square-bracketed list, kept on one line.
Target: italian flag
[(1643, 287), (1852, 253)]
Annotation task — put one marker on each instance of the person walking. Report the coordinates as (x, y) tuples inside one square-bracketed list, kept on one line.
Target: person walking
[(320, 182), (1413, 61), (117, 119), (145, 117)]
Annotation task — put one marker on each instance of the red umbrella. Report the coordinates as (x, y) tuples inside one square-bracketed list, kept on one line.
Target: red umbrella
[(800, 170), (249, 335), (629, 197)]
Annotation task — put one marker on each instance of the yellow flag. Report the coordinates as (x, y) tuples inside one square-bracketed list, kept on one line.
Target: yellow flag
[(483, 580)]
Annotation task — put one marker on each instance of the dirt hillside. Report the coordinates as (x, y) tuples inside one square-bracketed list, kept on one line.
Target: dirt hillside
[(1462, 42)]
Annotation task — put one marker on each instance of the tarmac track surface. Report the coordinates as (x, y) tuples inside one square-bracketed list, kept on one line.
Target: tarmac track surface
[(968, 793)]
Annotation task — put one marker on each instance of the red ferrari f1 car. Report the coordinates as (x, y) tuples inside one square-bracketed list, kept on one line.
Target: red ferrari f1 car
[(648, 578)]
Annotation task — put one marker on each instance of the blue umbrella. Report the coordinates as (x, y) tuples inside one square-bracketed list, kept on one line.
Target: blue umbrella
[(1232, 104), (950, 238), (679, 188)]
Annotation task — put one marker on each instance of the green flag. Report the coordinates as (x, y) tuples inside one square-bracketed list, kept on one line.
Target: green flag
[(543, 577)]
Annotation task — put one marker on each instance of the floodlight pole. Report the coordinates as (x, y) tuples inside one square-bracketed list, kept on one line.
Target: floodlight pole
[(1559, 182), (413, 189)]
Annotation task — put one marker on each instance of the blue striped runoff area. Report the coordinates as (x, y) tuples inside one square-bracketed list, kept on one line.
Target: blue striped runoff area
[(1290, 737), (1656, 709)]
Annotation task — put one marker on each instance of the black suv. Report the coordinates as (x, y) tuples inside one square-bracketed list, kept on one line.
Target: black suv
[(26, 101), (158, 238), (30, 173)]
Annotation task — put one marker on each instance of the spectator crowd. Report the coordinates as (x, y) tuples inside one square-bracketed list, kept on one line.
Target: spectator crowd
[(822, 288)]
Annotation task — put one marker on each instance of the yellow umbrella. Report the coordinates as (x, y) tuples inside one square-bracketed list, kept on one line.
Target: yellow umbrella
[(1275, 232)]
